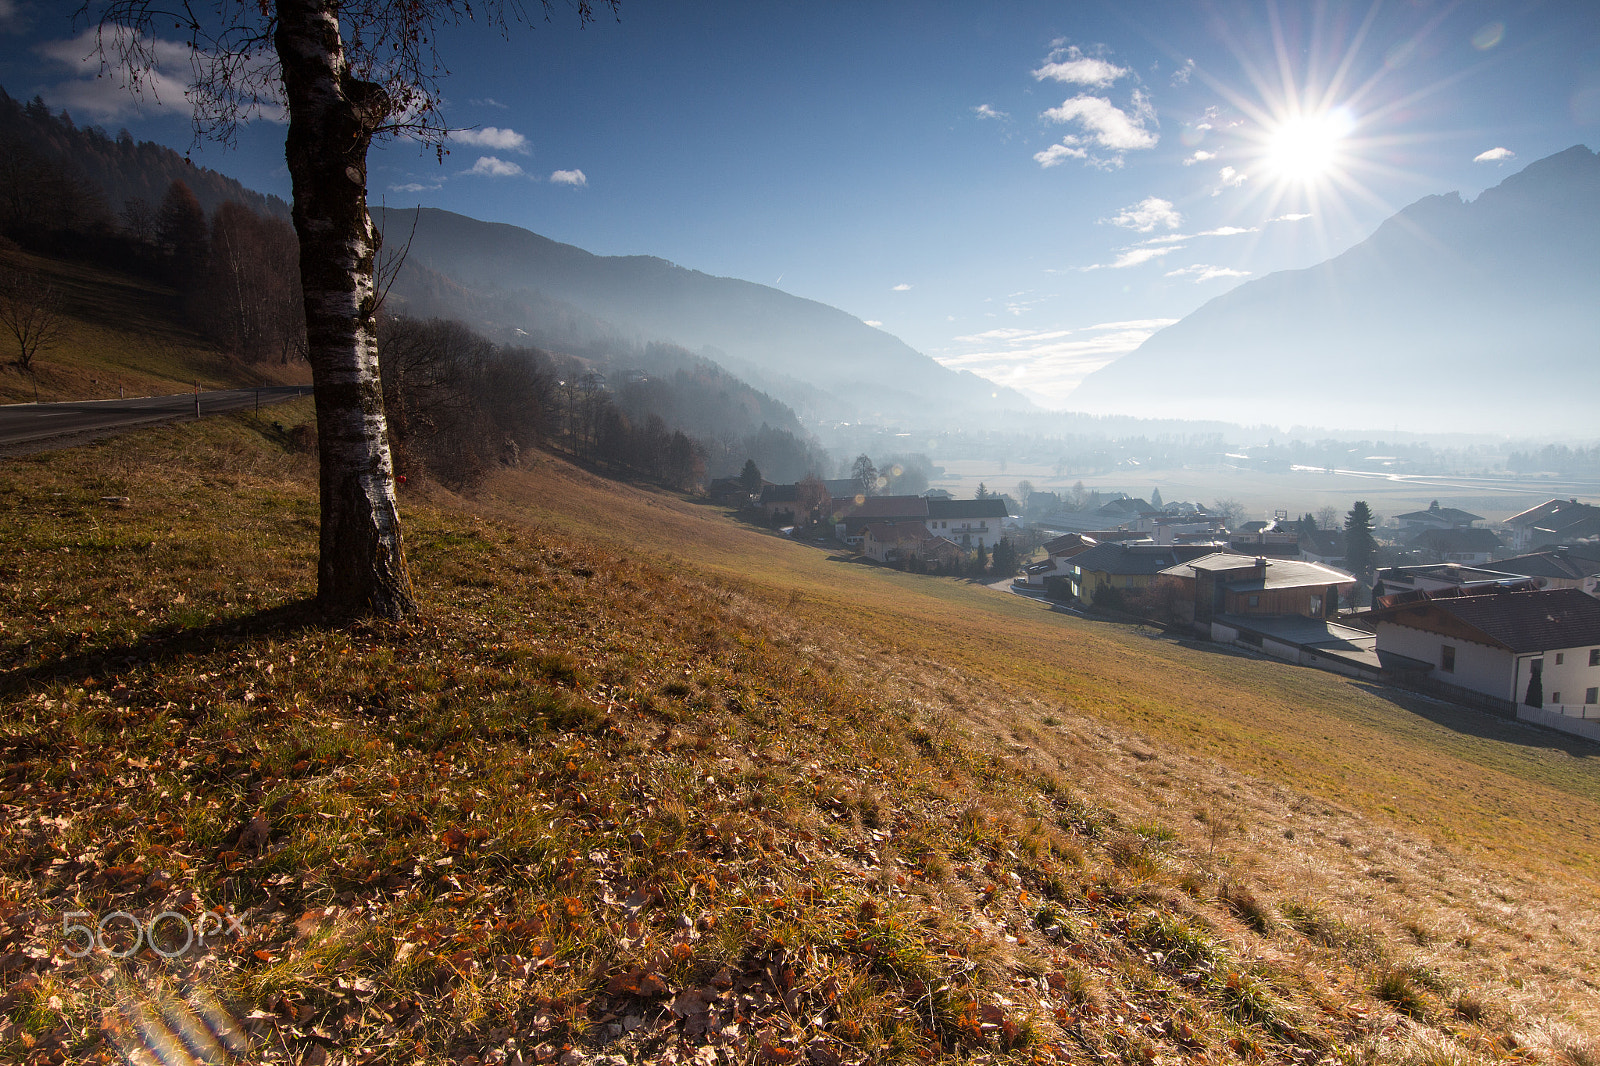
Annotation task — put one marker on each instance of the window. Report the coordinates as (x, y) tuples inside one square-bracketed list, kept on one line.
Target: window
[(1255, 601), (1555, 697), (1594, 656), (1592, 696), (1447, 658), (1561, 657)]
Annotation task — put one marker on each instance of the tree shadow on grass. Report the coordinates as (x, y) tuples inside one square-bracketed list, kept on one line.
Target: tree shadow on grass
[(159, 645), (1475, 722)]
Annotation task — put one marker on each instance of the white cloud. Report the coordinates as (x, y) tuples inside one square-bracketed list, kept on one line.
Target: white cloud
[(1075, 68), (1132, 257), (416, 186), (1203, 272), (874, 323), (575, 178), (493, 137), (902, 287), (1107, 125), (1146, 215), (488, 101), (1050, 363), (1178, 238), (985, 111), (1494, 155), (1182, 74), (1200, 156), (1135, 323), (1289, 218), (494, 167), (153, 92), (1229, 179), (1057, 154), (1014, 334)]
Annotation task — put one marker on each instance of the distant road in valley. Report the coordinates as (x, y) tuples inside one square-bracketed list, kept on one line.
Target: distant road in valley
[(1467, 482), (27, 427)]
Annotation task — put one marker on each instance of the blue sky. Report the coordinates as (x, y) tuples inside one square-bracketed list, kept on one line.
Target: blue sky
[(1025, 190)]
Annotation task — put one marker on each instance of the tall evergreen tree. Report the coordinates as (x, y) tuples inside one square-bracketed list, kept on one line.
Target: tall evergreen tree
[(750, 477), (1005, 558), (1360, 549)]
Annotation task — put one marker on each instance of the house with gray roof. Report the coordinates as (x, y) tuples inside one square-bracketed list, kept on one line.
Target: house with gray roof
[(969, 523), (1553, 522), (1559, 568), (1469, 547), (1436, 517), (1532, 654)]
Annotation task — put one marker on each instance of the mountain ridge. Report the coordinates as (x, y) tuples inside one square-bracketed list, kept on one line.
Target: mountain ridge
[(867, 371), (1443, 295)]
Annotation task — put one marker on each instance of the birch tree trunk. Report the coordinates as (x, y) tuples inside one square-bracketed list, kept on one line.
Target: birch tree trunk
[(332, 117)]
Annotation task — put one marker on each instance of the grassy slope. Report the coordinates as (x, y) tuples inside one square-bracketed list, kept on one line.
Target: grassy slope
[(1463, 778), (643, 781), (122, 331)]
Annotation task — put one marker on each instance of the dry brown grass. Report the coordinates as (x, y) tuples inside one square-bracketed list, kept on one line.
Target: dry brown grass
[(123, 333), (643, 782)]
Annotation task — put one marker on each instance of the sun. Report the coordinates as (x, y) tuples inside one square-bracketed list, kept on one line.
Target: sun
[(1308, 147)]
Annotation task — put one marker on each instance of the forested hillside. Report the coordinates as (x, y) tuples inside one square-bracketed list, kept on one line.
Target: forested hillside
[(217, 266), (39, 150)]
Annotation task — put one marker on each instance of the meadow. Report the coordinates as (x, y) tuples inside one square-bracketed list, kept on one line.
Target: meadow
[(642, 781)]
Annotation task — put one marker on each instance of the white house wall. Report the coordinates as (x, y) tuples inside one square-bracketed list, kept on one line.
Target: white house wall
[(1572, 679), (982, 533), (1479, 667)]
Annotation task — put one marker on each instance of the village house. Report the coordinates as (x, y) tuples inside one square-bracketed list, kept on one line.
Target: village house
[(1222, 585), (779, 502), (1285, 608), (1111, 572), (730, 491), (1559, 568), (1325, 546), (1435, 517), (851, 516), (1172, 527), (1119, 512), (1274, 539), (1398, 581), (1553, 522), (969, 523), (1470, 547), (1533, 654), (906, 543), (1059, 550)]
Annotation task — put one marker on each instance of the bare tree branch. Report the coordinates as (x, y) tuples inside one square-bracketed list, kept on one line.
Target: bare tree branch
[(30, 311)]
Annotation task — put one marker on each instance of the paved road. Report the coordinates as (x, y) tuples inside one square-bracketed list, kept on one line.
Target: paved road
[(24, 423)]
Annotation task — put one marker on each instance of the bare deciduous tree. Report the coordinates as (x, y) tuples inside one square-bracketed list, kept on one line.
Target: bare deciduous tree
[(346, 72), (30, 311)]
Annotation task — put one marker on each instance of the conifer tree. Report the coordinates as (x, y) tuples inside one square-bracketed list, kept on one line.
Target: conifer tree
[(1360, 549)]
